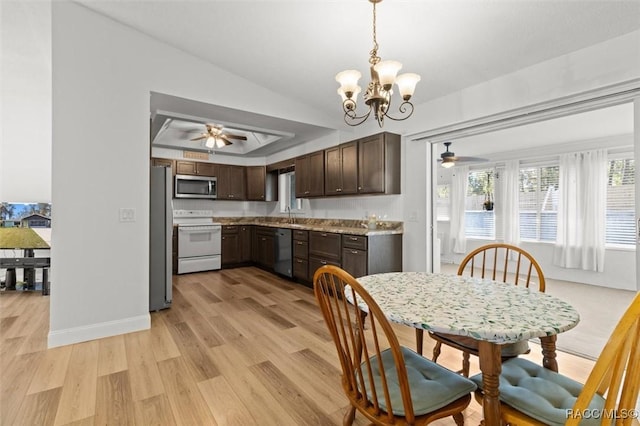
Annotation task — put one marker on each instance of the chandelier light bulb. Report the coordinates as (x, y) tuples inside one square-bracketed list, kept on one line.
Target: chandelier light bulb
[(348, 80), (407, 84), (387, 71), (210, 142), (349, 103)]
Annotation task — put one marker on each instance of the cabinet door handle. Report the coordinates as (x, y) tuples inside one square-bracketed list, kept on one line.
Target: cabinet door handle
[(323, 235), (354, 238), (306, 192), (324, 262), (299, 243), (354, 251), (359, 188), (298, 261)]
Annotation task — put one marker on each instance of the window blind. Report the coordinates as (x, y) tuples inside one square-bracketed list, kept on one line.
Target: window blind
[(539, 203), (620, 226), (479, 223)]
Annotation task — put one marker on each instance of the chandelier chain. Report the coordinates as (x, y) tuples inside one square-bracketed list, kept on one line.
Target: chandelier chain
[(374, 59)]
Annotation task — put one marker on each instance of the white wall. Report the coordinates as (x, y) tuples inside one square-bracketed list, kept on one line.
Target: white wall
[(102, 76), (25, 101)]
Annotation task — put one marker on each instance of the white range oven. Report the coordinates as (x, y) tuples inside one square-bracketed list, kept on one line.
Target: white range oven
[(199, 241)]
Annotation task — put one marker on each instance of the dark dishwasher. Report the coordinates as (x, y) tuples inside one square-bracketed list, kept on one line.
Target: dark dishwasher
[(284, 256)]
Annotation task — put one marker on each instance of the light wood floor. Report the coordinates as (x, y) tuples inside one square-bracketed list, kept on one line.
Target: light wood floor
[(238, 347)]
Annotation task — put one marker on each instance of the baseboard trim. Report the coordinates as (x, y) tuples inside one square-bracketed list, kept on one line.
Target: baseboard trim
[(85, 333)]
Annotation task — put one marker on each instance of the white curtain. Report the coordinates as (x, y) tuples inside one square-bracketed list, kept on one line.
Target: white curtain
[(580, 242), (458, 193), (510, 203)]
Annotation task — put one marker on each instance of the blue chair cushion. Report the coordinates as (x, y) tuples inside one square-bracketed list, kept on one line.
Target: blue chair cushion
[(539, 392), (432, 386)]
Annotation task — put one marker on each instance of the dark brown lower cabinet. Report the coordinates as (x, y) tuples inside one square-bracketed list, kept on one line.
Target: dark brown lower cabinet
[(324, 249), (230, 245), (316, 262), (301, 269), (354, 261), (236, 245), (244, 235), (264, 247), (301, 255), (373, 254), (359, 255)]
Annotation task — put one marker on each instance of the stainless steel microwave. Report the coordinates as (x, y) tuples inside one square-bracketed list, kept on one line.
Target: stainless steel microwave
[(187, 186)]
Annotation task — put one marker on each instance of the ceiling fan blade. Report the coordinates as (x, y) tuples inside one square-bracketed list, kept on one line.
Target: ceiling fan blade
[(199, 138), (471, 159), (239, 137), (225, 140), (464, 160)]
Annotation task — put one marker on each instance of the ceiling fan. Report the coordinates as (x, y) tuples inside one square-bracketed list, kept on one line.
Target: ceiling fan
[(215, 136), (449, 159)]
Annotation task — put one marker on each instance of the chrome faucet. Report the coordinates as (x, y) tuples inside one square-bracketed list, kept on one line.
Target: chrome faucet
[(288, 210)]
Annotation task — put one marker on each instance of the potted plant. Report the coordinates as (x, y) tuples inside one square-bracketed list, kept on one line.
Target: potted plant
[(488, 202)]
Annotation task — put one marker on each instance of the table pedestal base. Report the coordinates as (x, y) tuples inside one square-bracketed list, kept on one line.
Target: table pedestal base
[(491, 367)]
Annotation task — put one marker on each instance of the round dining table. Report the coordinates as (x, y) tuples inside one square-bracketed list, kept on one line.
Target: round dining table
[(494, 313)]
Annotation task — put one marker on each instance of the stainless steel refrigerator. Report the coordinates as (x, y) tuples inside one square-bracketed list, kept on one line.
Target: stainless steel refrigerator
[(160, 230)]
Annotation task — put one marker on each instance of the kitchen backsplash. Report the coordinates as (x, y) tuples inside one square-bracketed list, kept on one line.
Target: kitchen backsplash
[(321, 208)]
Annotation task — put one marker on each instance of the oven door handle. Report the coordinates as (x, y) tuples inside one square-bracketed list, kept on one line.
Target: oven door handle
[(199, 230)]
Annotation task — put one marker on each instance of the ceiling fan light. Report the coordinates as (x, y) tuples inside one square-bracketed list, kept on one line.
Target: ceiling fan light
[(448, 163), (348, 80), (210, 142), (387, 71), (220, 142), (407, 84)]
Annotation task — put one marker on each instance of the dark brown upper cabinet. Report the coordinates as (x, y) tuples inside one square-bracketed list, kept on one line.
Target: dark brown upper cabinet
[(341, 169), (164, 162), (379, 164), (256, 181), (196, 168), (310, 175), (231, 182)]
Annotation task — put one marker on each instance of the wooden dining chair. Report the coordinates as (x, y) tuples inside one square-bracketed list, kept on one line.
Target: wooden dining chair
[(533, 395), (387, 383), (499, 262)]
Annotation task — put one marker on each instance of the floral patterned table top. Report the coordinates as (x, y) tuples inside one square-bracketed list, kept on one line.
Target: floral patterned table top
[(468, 306)]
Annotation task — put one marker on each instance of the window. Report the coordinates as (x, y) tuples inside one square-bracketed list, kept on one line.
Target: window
[(287, 192), (620, 226), (478, 222), (538, 203), (443, 202)]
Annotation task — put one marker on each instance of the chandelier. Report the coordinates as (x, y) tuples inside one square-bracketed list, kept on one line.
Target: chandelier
[(378, 93)]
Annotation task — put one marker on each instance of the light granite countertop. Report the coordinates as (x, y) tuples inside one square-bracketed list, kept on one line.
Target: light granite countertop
[(338, 226)]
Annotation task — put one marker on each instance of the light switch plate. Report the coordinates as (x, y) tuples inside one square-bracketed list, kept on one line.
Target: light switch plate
[(127, 214)]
